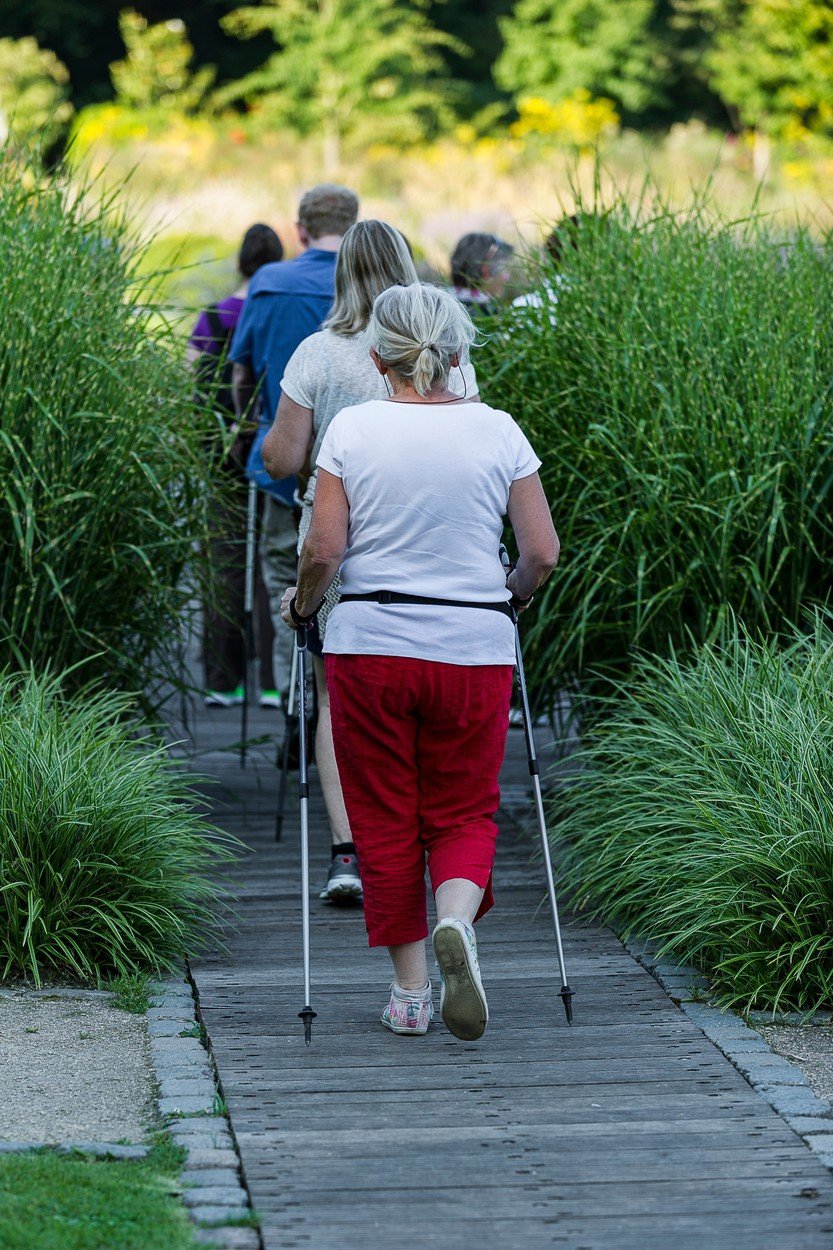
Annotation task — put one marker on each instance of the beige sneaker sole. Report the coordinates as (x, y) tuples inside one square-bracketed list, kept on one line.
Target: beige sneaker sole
[(465, 1011)]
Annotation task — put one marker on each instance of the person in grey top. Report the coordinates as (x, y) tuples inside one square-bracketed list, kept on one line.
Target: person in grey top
[(329, 371)]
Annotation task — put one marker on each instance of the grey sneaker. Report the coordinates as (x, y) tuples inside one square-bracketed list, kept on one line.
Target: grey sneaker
[(463, 1005), (344, 884)]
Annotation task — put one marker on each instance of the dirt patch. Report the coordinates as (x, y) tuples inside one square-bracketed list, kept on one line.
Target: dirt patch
[(75, 1068)]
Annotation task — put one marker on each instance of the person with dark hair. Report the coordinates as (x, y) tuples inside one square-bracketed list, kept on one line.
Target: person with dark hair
[(480, 270), (545, 292), (260, 246), (207, 353)]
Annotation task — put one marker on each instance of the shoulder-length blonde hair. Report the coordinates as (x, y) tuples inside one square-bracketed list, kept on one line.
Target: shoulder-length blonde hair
[(373, 256)]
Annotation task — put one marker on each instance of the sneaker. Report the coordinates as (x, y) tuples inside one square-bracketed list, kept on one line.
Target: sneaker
[(225, 698), (270, 698), (408, 1014), (463, 1005), (344, 884)]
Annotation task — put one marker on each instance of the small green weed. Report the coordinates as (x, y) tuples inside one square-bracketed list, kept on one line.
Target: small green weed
[(131, 992), (197, 1029)]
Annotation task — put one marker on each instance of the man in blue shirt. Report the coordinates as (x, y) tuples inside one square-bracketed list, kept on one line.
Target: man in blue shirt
[(286, 302)]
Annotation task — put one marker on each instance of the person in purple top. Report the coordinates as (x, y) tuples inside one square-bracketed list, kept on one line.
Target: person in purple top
[(207, 351)]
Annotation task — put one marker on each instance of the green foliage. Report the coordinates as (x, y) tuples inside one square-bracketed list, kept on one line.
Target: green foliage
[(59, 1202), (105, 858), (680, 403), (605, 47), (775, 66), (369, 70), (131, 992), (104, 471), (156, 73), (700, 815), (34, 90)]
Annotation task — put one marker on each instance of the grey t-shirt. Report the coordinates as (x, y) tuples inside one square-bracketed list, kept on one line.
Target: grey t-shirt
[(328, 372)]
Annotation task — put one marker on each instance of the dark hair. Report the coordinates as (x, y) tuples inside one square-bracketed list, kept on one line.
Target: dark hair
[(564, 232), (260, 246), (474, 252)]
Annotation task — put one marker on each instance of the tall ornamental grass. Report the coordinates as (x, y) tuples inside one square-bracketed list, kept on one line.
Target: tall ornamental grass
[(679, 395), (106, 861), (701, 816), (104, 467)]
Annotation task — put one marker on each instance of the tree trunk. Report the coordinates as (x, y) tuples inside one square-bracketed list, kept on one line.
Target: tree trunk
[(761, 154), (331, 150)]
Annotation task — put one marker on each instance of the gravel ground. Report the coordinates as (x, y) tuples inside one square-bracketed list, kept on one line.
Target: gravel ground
[(810, 1046), (73, 1068)]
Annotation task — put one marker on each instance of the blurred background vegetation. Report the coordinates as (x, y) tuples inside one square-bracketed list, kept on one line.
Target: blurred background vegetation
[(446, 116)]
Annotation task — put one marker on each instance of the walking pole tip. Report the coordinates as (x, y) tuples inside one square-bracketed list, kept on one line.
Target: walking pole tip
[(307, 1015), (566, 996)]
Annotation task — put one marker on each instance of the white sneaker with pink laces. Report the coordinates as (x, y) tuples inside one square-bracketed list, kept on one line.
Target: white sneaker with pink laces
[(408, 1012)]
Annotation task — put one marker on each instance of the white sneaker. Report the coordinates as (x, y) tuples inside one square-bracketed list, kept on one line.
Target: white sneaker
[(270, 698), (224, 698), (463, 1005), (408, 1014)]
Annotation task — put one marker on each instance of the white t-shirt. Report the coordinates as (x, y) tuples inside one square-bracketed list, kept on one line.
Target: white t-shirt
[(428, 487), (328, 372)]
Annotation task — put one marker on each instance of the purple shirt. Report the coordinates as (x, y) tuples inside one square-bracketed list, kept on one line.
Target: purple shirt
[(228, 310)]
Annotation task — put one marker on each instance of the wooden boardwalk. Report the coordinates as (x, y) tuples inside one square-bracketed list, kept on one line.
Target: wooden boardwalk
[(628, 1131)]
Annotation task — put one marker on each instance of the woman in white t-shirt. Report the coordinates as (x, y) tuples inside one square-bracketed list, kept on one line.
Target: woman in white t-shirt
[(329, 371), (410, 505)]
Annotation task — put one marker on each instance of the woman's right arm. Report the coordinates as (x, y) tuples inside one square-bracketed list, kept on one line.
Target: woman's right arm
[(538, 545), (287, 444)]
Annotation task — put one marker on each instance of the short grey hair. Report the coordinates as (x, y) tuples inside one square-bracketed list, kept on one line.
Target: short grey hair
[(372, 257), (328, 209), (417, 330)]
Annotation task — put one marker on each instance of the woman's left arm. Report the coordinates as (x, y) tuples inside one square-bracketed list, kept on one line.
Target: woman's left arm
[(323, 549), (286, 445)]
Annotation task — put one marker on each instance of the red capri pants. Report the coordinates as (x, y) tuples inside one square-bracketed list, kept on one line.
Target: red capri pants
[(419, 746)]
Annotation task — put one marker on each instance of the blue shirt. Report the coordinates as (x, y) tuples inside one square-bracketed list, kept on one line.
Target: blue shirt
[(286, 303)]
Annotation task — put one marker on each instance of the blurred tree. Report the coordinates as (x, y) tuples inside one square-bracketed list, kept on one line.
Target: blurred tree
[(476, 24), (85, 35), (774, 65), (606, 47), (347, 69), (156, 71), (34, 86)]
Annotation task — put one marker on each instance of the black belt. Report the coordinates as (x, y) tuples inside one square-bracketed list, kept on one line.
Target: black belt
[(393, 596)]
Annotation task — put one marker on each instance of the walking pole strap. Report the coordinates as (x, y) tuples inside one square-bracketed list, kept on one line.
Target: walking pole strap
[(393, 596)]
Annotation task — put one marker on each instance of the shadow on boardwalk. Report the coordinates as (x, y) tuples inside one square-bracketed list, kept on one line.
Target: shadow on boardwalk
[(628, 1131)]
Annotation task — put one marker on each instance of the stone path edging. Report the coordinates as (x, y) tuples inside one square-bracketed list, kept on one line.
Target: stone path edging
[(781, 1083), (192, 1108)]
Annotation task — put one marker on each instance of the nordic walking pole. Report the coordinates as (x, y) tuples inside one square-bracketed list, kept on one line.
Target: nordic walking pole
[(307, 1014), (288, 734), (248, 620), (565, 993)]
